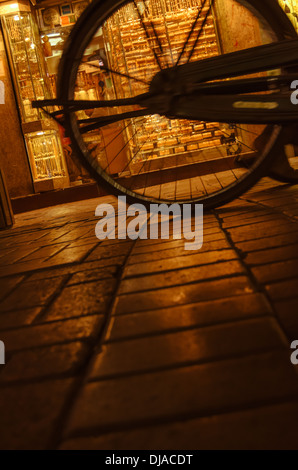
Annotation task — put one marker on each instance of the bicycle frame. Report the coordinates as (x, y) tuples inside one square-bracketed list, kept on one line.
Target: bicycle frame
[(183, 91)]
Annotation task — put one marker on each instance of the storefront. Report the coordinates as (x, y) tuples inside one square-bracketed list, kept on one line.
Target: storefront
[(35, 154), (31, 47), (291, 8)]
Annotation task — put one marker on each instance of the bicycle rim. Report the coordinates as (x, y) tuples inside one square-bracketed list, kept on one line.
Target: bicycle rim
[(152, 158)]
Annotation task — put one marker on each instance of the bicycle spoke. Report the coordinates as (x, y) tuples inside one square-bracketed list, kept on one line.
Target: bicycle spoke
[(135, 155), (105, 120), (200, 32), (114, 158), (115, 72), (190, 32), (167, 145), (241, 142), (247, 130), (161, 50), (80, 105), (244, 62), (148, 35), (116, 137)]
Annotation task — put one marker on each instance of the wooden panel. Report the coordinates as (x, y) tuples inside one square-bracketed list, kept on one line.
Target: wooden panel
[(6, 215), (13, 156), (115, 149), (239, 29)]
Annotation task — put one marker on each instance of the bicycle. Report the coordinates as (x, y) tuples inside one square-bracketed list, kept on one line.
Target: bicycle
[(162, 97)]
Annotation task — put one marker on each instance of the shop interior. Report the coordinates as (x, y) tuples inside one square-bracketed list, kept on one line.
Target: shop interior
[(35, 37)]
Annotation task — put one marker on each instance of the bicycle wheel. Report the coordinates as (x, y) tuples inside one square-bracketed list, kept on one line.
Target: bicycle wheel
[(154, 157), (285, 167)]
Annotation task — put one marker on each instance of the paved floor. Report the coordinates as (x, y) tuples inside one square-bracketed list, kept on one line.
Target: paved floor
[(143, 345)]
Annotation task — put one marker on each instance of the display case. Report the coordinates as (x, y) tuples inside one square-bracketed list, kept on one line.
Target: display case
[(45, 152), (157, 141), (31, 82), (27, 63), (291, 8), (55, 23), (122, 45)]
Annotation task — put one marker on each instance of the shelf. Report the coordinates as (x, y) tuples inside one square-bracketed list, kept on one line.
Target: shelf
[(130, 53)]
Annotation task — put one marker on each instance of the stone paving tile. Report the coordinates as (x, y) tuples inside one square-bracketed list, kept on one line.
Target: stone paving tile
[(280, 201), (177, 251), (288, 317), (90, 242), (26, 237), (4, 251), (23, 267), (56, 234), (283, 290), (262, 230), (108, 243), (38, 335), (195, 346), (8, 284), (74, 234), (31, 294), (181, 276), (221, 345), (45, 362), (168, 244), (276, 271), (70, 255), (292, 211), (227, 214), (185, 392), (269, 242), (110, 251), (45, 252), (270, 255), (29, 413), (18, 318), (81, 299), (93, 275), (266, 428), (74, 268), (183, 295), (276, 190), (195, 259), (188, 316), (17, 255), (238, 221)]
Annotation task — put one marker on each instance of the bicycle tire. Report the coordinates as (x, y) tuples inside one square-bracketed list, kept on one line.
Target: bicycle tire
[(283, 169), (93, 18)]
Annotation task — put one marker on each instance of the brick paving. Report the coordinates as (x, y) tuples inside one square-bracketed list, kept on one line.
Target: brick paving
[(126, 344)]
